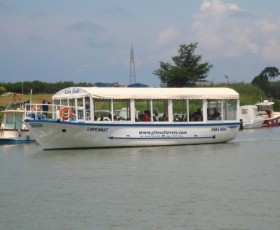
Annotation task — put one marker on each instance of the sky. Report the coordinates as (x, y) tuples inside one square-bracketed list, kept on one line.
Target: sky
[(90, 41)]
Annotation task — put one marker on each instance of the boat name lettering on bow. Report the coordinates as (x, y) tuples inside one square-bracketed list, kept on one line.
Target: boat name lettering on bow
[(97, 129), (219, 129), (73, 91)]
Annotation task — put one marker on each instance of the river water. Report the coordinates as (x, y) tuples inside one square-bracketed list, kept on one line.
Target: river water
[(221, 186)]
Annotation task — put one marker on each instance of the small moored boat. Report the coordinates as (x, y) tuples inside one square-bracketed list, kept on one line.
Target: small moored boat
[(265, 109), (152, 117), (250, 117), (13, 130)]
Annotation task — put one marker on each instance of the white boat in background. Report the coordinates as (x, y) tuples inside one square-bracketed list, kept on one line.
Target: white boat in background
[(265, 109), (12, 128), (250, 117), (186, 117)]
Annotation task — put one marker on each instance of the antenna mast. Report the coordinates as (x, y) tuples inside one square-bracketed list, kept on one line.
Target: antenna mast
[(132, 77)]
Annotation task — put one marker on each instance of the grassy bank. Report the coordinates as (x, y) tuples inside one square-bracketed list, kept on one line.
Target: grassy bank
[(35, 98), (249, 95)]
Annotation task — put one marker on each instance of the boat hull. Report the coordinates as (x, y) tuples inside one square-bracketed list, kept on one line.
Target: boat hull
[(250, 117), (13, 136), (63, 135), (254, 124), (271, 122)]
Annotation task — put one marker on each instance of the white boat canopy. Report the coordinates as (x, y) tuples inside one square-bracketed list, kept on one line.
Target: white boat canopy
[(146, 93)]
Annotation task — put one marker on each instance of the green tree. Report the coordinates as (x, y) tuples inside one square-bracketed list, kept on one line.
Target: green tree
[(263, 80), (271, 72), (2, 89), (187, 71), (274, 89)]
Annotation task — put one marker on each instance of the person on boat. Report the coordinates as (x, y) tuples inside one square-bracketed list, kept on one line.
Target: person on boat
[(164, 117), (216, 115), (209, 115), (33, 114), (45, 107), (33, 108), (147, 116), (27, 105), (176, 117), (197, 115), (156, 117)]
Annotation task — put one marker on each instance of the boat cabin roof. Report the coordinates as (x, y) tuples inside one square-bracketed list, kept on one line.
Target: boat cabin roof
[(265, 103), (146, 93)]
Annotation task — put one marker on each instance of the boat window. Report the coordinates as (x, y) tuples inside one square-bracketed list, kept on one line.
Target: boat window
[(222, 110), (14, 120), (160, 110), (18, 120), (80, 109), (87, 106), (64, 102), (244, 111), (230, 110), (102, 110), (214, 109), (195, 110), (121, 110), (179, 110), (144, 108), (10, 121)]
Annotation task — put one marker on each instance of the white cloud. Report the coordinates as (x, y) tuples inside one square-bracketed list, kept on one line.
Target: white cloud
[(267, 26), (224, 30), (217, 6), (271, 49), (205, 5), (233, 6), (166, 36)]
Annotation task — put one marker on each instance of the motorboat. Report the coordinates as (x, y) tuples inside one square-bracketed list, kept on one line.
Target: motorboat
[(265, 109), (12, 128), (250, 117)]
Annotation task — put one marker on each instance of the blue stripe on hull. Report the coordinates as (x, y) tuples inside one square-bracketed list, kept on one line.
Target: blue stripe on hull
[(161, 138), (12, 141)]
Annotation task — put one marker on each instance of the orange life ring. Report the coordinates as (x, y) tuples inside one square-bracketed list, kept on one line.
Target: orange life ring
[(63, 113)]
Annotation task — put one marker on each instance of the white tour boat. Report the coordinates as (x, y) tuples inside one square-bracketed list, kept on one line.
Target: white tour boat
[(250, 117), (154, 117)]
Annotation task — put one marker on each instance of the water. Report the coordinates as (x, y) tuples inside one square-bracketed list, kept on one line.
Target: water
[(222, 186)]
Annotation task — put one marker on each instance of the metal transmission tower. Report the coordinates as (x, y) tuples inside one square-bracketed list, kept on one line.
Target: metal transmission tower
[(132, 77)]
